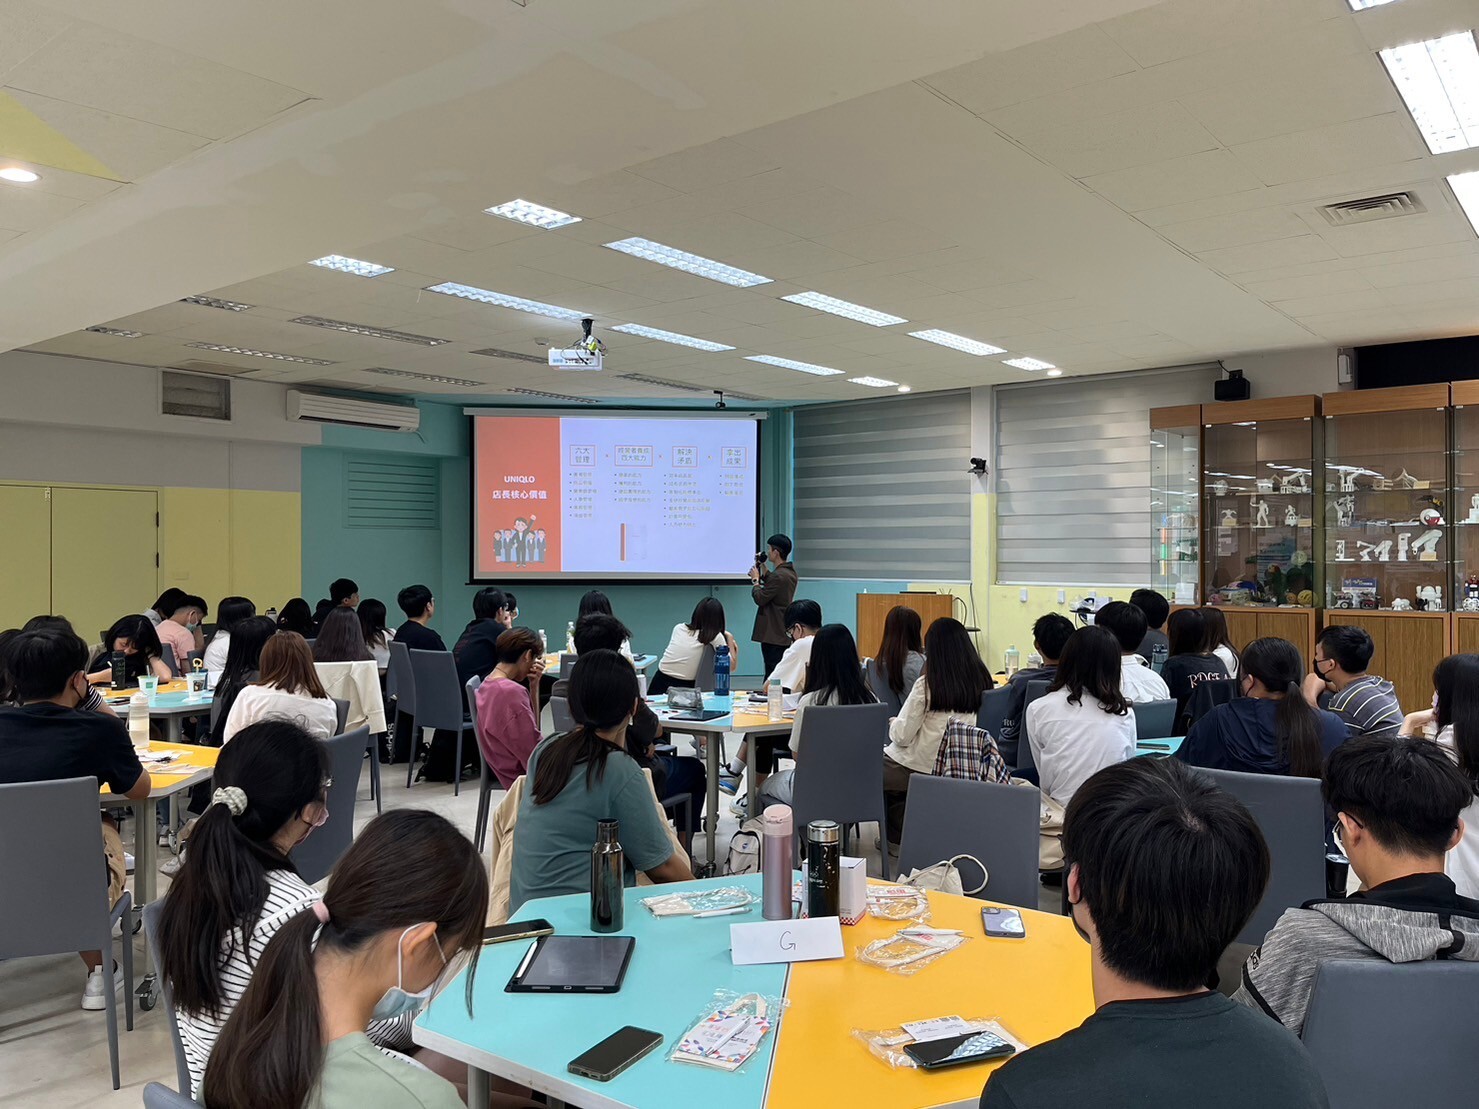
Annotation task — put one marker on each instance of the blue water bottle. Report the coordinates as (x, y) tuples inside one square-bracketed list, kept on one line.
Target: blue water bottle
[(721, 669)]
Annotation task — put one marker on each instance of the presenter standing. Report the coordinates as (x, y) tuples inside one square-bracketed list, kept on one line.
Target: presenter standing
[(773, 590)]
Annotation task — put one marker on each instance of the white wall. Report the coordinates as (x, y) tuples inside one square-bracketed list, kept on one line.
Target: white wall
[(1289, 373)]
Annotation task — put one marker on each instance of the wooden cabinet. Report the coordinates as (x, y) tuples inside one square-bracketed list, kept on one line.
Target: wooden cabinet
[(1408, 646), (1466, 633), (1297, 625)]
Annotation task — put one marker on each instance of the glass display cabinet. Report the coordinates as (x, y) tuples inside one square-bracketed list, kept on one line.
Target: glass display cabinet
[(1175, 502), (1463, 516), (1388, 548), (1262, 516)]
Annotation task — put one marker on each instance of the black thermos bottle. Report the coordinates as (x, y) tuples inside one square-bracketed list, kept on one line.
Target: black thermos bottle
[(823, 871), (607, 888)]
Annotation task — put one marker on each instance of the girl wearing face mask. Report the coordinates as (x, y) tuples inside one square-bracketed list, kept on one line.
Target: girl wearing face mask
[(374, 948)]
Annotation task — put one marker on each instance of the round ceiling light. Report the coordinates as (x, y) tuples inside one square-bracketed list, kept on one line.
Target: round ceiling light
[(903, 388), (18, 175), (1055, 373)]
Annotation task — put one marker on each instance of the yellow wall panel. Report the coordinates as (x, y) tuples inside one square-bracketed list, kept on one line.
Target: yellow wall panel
[(267, 546), (25, 556), (194, 543)]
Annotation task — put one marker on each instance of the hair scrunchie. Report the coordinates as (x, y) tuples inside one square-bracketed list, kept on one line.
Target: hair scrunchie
[(233, 797)]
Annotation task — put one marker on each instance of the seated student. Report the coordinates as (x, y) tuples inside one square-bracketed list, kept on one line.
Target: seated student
[(343, 592), (168, 601), (512, 603), (900, 658), (1367, 704), (1218, 641), (180, 631), (142, 653), (296, 617), (1190, 662), (371, 948), (1138, 681), (679, 663), (949, 689), (1397, 805), (341, 639), (1155, 648), (582, 777), (476, 650), (1164, 870), (320, 610), (242, 668), (289, 689), (507, 705), (230, 612), (419, 606), (1083, 723), (46, 738), (1271, 728), (596, 603), (377, 636), (1454, 722), (1049, 636), (834, 676), (94, 702), (671, 774)]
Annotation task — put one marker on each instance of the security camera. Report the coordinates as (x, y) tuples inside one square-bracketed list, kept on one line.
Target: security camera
[(720, 402), (978, 467)]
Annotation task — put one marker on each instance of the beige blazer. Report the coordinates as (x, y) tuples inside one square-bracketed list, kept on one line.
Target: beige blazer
[(359, 684)]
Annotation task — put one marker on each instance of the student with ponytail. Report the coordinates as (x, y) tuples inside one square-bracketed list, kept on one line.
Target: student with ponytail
[(585, 776), (1271, 729), (373, 948)]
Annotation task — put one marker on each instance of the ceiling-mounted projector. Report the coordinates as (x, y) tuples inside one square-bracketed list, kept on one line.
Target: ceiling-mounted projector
[(585, 355)]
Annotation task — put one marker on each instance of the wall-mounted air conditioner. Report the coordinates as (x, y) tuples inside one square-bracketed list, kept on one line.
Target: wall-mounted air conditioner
[(324, 409)]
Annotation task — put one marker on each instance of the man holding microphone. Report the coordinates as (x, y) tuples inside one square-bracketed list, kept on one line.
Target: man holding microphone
[(772, 590)]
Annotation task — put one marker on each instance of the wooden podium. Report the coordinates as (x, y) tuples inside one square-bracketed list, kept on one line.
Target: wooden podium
[(873, 609)]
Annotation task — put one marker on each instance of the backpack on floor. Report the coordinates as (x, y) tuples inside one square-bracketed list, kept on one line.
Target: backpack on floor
[(443, 753), (743, 856)]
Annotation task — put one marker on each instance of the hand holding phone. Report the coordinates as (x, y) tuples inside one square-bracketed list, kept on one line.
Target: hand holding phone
[(615, 1053)]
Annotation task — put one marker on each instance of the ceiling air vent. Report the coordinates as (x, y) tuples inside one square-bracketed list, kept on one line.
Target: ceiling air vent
[(205, 398), (514, 355), (1371, 208)]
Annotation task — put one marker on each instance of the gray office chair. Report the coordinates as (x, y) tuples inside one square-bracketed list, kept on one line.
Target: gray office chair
[(439, 701), (158, 1096), (1155, 719), (487, 780), (1431, 1008), (151, 914), (168, 654), (567, 660), (400, 687), (317, 854), (998, 824), (873, 674), (564, 719), (1035, 689), (1291, 816), (56, 899), (841, 775), (341, 713), (992, 713), (1207, 696)]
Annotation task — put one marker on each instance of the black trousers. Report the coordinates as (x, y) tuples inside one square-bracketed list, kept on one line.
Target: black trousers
[(771, 653)]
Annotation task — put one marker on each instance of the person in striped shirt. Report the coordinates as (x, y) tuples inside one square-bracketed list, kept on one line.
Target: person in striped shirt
[(1367, 704)]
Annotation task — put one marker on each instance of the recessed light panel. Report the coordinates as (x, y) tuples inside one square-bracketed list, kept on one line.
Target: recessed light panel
[(823, 303), (792, 364), (669, 337), (648, 379), (535, 215), (372, 332), (356, 266), (874, 382), (1362, 5), (224, 349), (437, 378), (1439, 82), (554, 396), (1465, 186), (503, 300), (116, 332), (695, 264), (217, 302), (957, 342), (1029, 363)]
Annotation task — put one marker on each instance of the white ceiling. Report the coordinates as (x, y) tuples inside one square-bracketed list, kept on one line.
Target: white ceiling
[(1117, 186)]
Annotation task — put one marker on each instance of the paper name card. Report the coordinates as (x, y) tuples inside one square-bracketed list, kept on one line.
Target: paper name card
[(785, 941)]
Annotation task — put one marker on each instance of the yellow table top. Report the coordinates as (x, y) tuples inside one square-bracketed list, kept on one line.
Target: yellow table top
[(1037, 988), (193, 758)]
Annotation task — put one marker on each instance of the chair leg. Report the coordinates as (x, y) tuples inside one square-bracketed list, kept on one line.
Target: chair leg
[(375, 777), (411, 758), (112, 1007), (480, 826), (457, 767), (128, 972)]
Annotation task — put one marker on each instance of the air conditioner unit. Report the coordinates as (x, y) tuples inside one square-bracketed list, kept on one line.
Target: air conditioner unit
[(324, 409)]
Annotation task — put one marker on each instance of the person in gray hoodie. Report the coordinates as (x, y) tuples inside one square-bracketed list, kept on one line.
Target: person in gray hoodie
[(1397, 804)]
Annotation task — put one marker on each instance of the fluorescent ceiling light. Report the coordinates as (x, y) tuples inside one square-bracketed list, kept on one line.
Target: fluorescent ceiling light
[(823, 303), (117, 332), (514, 355), (792, 364), (1362, 5), (18, 175), (554, 396), (503, 300), (1029, 364), (873, 382), (373, 332), (648, 379), (535, 215), (1465, 186), (1439, 82), (217, 302), (1055, 372), (957, 342), (669, 337), (351, 265), (695, 264), (224, 349), (422, 377)]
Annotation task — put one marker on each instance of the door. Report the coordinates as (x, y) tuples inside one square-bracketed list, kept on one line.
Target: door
[(105, 555), (25, 556)]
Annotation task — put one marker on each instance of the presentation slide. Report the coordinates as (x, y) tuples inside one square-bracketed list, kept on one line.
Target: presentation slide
[(603, 497)]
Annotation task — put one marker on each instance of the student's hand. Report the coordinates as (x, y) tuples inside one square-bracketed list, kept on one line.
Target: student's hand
[(755, 574), (536, 671), (1416, 723), (1314, 688)]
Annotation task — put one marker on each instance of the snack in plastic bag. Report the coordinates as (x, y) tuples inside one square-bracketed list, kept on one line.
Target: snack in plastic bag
[(903, 903), (700, 901), (887, 1044), (910, 950), (730, 1030)]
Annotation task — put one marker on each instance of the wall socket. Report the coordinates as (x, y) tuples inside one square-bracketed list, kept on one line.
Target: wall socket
[(1062, 596), (1022, 596)]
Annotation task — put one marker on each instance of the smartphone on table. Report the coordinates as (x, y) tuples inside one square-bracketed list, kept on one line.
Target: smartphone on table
[(615, 1053), (954, 1051), (517, 930), (1003, 923)]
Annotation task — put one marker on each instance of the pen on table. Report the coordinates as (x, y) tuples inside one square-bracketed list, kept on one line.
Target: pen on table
[(723, 912)]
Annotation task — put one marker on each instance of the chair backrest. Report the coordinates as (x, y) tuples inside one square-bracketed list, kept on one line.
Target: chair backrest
[(190, 658), (880, 687), (998, 824), (839, 775), (1208, 695), (341, 712), (1155, 719), (1035, 689), (703, 678), (158, 1096), (438, 690), (567, 661), (1291, 816), (168, 654), (564, 720), (151, 914), (1436, 1008), (398, 681), (317, 854), (993, 709), (56, 899)]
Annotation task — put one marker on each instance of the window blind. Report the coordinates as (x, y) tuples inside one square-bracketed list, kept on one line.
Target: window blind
[(881, 489), (1073, 475)]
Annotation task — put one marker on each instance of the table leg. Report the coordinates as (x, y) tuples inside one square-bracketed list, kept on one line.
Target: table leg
[(146, 878), (477, 1086), (751, 791), (174, 728), (714, 752)]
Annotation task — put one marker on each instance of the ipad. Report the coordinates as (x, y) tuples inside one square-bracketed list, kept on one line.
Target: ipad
[(573, 964)]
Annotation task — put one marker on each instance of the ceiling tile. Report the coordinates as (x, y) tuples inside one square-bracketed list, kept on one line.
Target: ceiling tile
[(1385, 236), (1086, 147), (1356, 300), (1317, 284), (820, 211), (1195, 177), (602, 195), (795, 259), (721, 235), (131, 148), (26, 210), (1164, 32), (1461, 290), (892, 239), (1354, 87), (1279, 252), (24, 29), (1421, 273), (1061, 62), (1234, 229), (1325, 150), (702, 166)]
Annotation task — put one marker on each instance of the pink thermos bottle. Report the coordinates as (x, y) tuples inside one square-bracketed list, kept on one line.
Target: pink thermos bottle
[(775, 862)]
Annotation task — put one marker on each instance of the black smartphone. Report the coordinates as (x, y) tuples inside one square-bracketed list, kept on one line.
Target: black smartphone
[(1003, 923), (615, 1053), (954, 1051), (517, 930)]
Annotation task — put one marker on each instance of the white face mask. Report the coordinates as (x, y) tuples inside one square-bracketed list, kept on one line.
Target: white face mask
[(397, 1000)]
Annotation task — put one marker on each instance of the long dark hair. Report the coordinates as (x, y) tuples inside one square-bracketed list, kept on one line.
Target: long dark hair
[(243, 657), (603, 689), (1091, 664), (341, 639), (296, 616), (217, 898), (1456, 680), (954, 675), (1216, 625), (271, 1050), (901, 635), (834, 671), (232, 611), (1186, 630), (372, 622), (707, 620), (1277, 666), (594, 601), (145, 640)]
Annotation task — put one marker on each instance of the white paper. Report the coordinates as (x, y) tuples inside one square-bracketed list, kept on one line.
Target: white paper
[(785, 941), (936, 1029)]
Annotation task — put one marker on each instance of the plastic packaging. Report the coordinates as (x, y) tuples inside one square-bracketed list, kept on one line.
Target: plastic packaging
[(887, 1044), (901, 903), (729, 1031), (910, 950), (699, 901)]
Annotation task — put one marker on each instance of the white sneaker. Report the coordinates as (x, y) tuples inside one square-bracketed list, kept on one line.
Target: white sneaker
[(128, 863), (171, 866), (740, 807), (93, 998)]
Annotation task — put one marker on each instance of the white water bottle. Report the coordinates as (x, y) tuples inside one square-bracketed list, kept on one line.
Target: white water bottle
[(543, 641), (775, 704), (138, 721), (570, 638), (1013, 661)]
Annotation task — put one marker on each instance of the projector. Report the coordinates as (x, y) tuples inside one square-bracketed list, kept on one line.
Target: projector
[(585, 355)]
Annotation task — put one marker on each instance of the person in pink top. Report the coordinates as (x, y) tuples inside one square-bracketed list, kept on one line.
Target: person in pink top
[(180, 630), (508, 705)]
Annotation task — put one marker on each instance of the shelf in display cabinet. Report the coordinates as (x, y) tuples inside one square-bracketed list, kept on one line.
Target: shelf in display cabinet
[(1236, 493)]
